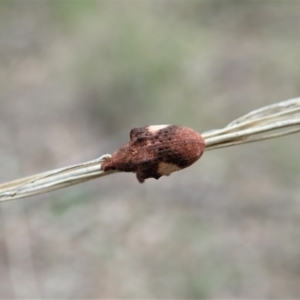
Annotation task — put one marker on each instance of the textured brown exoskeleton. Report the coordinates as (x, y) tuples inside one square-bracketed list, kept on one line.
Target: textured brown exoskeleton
[(154, 151)]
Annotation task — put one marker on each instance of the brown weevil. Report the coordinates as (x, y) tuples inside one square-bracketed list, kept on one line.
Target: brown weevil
[(154, 151)]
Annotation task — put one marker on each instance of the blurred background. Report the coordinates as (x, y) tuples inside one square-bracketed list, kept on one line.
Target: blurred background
[(76, 76)]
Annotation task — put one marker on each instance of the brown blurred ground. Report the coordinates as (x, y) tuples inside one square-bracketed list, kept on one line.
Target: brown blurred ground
[(76, 76)]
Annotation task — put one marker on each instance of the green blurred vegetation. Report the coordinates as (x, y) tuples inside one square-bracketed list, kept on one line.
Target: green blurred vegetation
[(76, 76)]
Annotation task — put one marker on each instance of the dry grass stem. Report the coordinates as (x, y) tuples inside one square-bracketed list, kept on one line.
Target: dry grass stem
[(265, 123), (53, 180)]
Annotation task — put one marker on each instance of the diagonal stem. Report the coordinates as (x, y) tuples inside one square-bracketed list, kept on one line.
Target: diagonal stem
[(268, 122)]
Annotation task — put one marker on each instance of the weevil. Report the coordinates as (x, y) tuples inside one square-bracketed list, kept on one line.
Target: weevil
[(157, 150)]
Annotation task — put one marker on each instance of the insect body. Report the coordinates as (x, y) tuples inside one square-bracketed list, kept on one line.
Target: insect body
[(154, 151)]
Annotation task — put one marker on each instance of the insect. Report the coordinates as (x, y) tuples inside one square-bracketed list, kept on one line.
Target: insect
[(157, 150)]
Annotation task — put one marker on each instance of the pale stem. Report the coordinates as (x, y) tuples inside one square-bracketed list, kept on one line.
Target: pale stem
[(268, 122)]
